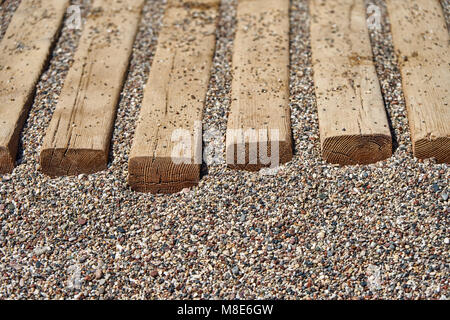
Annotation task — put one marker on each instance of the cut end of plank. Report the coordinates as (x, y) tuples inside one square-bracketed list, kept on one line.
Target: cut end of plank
[(437, 148), (362, 149), (6, 161), (69, 162), (161, 175), (259, 161)]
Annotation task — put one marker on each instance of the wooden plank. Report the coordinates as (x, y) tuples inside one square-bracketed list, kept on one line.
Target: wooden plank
[(24, 52), (352, 120), (78, 137), (259, 116), (421, 40), (174, 98)]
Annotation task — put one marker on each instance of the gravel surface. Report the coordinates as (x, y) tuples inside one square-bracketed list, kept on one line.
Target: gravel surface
[(312, 230)]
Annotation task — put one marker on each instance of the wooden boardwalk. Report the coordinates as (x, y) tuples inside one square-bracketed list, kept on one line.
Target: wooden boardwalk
[(166, 153)]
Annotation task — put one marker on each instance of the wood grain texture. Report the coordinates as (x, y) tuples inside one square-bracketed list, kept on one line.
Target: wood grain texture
[(174, 98), (24, 52), (260, 85), (78, 137), (353, 123), (422, 44)]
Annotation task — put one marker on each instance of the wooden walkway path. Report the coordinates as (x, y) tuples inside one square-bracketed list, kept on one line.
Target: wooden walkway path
[(166, 153)]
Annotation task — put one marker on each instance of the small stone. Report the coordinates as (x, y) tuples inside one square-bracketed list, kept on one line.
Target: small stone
[(98, 274), (81, 221), (322, 196), (321, 235), (235, 270), (41, 250), (121, 230), (446, 240), (154, 273), (445, 196)]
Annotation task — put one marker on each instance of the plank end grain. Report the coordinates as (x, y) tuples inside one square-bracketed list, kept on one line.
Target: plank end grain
[(161, 175), (357, 149), (69, 162), (248, 151), (6, 160), (438, 148)]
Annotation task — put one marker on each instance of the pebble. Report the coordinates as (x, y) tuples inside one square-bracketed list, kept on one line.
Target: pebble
[(154, 273), (98, 274), (41, 250)]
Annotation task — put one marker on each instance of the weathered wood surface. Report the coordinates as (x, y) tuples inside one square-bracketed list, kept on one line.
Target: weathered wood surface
[(259, 117), (421, 41), (174, 98), (353, 122), (78, 137), (24, 52)]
